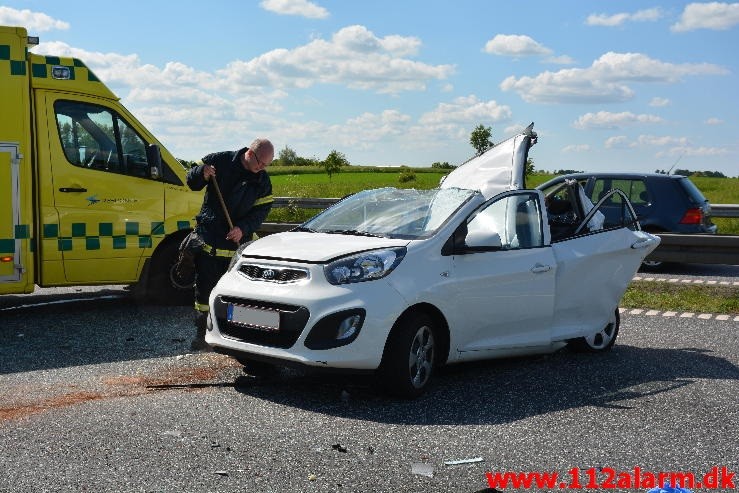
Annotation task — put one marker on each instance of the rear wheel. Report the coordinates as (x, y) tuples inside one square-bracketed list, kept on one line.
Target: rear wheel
[(410, 356), (603, 340)]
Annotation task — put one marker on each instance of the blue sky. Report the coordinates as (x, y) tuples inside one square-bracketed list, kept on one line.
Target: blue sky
[(629, 85)]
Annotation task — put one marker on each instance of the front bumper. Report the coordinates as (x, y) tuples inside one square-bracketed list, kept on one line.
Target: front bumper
[(304, 307)]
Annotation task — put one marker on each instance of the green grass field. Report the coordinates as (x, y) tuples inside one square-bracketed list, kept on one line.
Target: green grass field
[(303, 182)]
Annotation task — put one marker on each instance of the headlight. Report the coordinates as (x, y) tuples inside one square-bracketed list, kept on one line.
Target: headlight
[(365, 266)]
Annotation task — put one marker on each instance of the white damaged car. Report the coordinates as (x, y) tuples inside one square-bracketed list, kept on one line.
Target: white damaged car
[(401, 281)]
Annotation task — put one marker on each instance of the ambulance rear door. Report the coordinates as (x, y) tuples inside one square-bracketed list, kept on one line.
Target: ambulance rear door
[(102, 210), (12, 230)]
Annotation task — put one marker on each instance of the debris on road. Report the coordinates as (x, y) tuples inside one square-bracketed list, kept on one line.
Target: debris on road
[(462, 461), (423, 469)]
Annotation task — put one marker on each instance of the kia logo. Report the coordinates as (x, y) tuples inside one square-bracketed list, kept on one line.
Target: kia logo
[(268, 274)]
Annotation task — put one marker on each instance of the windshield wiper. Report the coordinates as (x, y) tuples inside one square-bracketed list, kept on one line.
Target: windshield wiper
[(304, 229), (352, 232)]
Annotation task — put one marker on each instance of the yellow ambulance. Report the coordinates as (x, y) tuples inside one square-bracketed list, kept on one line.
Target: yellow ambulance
[(88, 196)]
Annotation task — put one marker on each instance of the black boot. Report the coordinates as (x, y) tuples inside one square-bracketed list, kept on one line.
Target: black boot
[(199, 344)]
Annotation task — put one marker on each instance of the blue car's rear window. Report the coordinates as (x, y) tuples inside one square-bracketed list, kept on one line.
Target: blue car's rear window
[(694, 194)]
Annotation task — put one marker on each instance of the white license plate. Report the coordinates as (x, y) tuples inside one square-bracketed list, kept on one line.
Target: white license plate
[(262, 319)]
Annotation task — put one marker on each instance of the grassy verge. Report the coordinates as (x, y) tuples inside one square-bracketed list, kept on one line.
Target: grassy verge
[(666, 296)]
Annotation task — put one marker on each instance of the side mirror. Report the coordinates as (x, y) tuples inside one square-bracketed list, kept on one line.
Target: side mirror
[(483, 240), (154, 158)]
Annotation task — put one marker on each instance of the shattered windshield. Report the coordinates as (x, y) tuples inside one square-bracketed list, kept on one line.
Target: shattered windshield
[(390, 213)]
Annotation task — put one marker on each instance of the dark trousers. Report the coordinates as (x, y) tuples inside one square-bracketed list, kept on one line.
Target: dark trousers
[(208, 270)]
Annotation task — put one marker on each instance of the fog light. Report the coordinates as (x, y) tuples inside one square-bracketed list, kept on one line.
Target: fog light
[(336, 330), (348, 327)]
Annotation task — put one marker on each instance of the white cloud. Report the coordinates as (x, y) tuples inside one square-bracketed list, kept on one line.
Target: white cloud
[(659, 141), (616, 142), (467, 110), (366, 130), (301, 8), (560, 60), (659, 102), (605, 80), (713, 15), (576, 148), (354, 57), (714, 121), (605, 119), (515, 45), (619, 19), (702, 151), (32, 21)]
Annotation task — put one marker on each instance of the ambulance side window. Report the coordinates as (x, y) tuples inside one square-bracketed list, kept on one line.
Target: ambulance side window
[(95, 137)]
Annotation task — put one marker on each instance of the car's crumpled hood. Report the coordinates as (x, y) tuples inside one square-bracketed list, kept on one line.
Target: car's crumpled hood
[(315, 247), (500, 169)]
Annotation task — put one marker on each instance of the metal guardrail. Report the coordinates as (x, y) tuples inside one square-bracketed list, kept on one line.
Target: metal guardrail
[(304, 203), (725, 210), (700, 249)]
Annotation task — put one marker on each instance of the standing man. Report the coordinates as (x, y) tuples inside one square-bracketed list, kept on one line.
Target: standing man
[(247, 193)]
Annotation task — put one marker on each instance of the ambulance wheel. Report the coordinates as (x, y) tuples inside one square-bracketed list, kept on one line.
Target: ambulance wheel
[(165, 285)]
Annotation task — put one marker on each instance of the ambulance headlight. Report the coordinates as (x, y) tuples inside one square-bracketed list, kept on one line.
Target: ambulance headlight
[(364, 266)]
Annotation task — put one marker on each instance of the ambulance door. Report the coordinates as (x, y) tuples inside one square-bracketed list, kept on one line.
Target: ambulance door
[(11, 259), (102, 208)]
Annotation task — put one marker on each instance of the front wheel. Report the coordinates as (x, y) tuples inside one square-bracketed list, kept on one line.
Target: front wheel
[(410, 356), (603, 340)]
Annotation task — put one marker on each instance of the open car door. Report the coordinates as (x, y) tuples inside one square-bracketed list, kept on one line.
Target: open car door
[(596, 261)]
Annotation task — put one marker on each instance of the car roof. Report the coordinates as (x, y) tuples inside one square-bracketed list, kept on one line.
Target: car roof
[(499, 169), (624, 175), (619, 174)]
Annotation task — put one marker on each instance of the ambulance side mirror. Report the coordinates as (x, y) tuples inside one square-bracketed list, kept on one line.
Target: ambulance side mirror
[(154, 158)]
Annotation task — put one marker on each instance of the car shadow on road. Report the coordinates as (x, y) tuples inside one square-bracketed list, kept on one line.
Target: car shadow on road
[(502, 391)]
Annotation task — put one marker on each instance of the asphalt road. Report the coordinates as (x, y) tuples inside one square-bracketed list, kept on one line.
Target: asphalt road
[(103, 395)]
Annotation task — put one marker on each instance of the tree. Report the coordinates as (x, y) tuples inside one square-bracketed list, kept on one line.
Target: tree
[(480, 138), (287, 157), (333, 162), (529, 167), (440, 165)]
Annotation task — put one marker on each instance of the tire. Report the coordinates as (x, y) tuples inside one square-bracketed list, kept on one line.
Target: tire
[(652, 265), (601, 341), (165, 286), (410, 358)]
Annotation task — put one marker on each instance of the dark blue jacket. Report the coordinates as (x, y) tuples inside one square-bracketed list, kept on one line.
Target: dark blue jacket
[(248, 197)]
